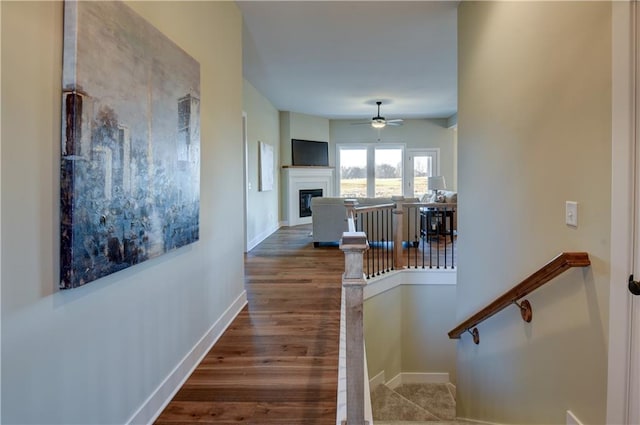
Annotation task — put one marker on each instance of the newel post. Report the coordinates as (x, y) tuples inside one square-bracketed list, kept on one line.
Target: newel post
[(350, 205), (398, 226), (353, 244)]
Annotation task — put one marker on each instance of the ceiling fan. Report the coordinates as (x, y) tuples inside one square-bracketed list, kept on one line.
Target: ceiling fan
[(379, 122)]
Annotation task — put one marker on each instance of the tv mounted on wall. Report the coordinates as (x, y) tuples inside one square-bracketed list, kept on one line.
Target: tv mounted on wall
[(309, 153)]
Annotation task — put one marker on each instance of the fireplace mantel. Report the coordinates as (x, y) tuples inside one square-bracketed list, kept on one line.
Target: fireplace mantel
[(297, 178)]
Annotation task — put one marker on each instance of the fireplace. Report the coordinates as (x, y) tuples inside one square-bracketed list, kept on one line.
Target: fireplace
[(305, 200), (297, 184)]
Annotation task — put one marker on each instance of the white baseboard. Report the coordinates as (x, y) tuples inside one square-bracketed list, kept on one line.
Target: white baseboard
[(158, 400), (378, 285), (377, 380), (262, 236), (571, 419), (417, 378), (478, 422)]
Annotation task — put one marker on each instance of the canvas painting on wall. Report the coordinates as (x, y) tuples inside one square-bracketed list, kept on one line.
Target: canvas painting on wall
[(266, 167), (130, 158)]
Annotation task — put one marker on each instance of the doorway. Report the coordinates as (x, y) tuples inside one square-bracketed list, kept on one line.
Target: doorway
[(421, 164)]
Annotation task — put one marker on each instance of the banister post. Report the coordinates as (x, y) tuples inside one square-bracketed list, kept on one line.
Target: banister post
[(353, 244), (350, 205), (398, 226)]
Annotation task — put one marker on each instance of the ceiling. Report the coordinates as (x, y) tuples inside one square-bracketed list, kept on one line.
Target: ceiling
[(335, 59)]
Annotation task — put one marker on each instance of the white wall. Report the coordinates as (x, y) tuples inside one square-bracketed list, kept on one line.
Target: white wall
[(94, 354), (406, 330), (414, 134), (534, 130), (263, 125)]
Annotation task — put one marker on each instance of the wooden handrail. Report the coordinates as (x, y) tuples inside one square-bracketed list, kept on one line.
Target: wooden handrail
[(367, 208), (437, 205), (553, 268)]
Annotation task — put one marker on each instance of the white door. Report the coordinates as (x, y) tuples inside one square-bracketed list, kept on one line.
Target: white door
[(421, 164), (623, 389), (633, 399)]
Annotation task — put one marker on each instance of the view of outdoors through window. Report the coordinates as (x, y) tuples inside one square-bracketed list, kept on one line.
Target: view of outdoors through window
[(353, 172), (387, 172), (422, 168)]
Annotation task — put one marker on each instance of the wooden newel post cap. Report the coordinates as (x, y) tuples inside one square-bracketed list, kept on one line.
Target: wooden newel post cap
[(354, 241), (353, 244)]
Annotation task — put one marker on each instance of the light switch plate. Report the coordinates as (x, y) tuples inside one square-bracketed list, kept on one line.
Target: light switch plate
[(571, 213)]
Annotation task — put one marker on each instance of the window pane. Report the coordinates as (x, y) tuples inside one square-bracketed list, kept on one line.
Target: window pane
[(388, 172), (353, 172), (422, 168)]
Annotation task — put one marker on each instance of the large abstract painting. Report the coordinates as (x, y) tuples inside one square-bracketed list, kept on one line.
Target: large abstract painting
[(130, 161)]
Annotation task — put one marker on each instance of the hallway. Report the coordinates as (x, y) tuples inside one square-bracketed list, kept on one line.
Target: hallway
[(277, 362)]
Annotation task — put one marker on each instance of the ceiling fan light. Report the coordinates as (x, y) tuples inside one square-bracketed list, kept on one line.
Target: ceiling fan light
[(378, 123)]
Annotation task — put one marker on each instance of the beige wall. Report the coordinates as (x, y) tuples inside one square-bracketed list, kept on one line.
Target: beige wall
[(414, 134), (95, 354), (300, 126), (406, 330), (383, 333), (428, 313), (534, 120), (263, 125), (294, 125)]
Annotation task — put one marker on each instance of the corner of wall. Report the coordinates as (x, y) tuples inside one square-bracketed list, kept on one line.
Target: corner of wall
[(160, 398)]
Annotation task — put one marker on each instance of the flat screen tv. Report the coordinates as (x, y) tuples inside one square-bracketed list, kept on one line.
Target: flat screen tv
[(309, 153)]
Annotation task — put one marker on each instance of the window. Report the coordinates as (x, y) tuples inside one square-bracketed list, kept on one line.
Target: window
[(388, 172), (370, 170), (353, 172)]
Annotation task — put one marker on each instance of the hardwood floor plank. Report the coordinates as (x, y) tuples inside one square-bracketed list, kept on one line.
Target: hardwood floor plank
[(304, 396), (277, 363)]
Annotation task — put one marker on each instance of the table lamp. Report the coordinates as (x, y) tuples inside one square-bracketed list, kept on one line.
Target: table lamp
[(436, 183)]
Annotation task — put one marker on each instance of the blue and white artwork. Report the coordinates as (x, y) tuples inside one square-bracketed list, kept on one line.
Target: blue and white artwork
[(130, 151)]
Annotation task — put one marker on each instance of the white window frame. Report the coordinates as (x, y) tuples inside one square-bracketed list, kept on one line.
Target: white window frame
[(371, 148)]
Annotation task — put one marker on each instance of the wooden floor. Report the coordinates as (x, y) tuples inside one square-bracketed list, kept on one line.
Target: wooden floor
[(278, 361)]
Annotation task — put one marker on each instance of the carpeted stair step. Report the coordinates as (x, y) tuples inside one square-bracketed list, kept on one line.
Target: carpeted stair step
[(388, 405), (434, 398), (415, 404)]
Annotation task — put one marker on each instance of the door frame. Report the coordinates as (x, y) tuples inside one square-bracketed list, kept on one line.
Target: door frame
[(245, 177), (408, 167), (623, 355)]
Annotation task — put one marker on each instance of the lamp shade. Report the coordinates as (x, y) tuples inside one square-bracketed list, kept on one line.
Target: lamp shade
[(436, 183)]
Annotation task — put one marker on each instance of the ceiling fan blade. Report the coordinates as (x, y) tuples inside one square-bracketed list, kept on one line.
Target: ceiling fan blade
[(379, 121)]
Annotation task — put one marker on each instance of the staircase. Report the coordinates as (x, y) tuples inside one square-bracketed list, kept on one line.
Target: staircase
[(413, 404)]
